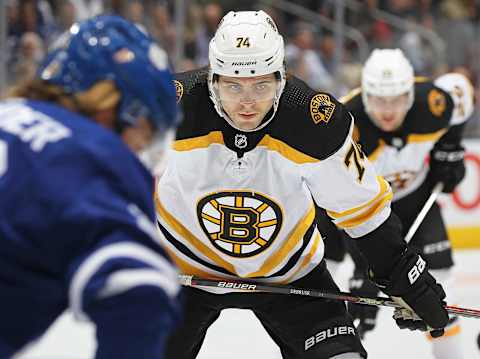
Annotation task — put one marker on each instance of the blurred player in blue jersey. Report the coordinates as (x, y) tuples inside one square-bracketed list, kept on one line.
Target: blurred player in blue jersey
[(76, 204)]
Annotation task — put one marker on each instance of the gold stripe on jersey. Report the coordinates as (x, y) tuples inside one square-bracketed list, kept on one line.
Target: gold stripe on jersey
[(350, 95), (419, 79), (186, 268), (365, 216), (185, 233), (384, 189), (374, 155), (306, 261), (285, 150), (293, 239), (189, 144), (425, 137)]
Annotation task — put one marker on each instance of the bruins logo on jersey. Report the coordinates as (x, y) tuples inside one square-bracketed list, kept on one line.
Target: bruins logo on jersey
[(240, 224), (321, 108), (437, 102), (400, 180), (178, 90)]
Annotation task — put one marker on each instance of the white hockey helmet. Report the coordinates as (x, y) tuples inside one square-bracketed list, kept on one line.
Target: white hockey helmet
[(246, 44), (387, 73)]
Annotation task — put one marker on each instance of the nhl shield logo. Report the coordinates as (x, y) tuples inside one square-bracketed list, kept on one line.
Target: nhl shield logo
[(240, 141)]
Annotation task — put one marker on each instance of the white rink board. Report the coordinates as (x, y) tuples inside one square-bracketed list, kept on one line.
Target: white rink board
[(68, 340), (463, 207)]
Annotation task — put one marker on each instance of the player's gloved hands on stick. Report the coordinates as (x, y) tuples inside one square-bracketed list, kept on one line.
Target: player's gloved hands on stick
[(411, 285), (365, 315), (447, 165)]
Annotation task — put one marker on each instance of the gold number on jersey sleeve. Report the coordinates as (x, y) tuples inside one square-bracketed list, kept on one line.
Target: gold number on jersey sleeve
[(243, 42), (355, 155)]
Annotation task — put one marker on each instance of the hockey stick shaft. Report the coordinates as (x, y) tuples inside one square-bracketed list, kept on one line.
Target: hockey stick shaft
[(426, 207), (243, 286)]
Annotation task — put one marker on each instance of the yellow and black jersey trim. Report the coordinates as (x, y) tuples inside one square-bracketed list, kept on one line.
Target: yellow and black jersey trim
[(194, 241), (306, 260), (348, 97), (411, 139), (194, 143), (312, 122), (184, 265), (295, 236), (285, 150), (425, 137), (301, 232), (267, 142), (356, 216)]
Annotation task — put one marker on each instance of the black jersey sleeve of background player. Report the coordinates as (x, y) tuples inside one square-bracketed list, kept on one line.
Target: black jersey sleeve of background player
[(313, 122)]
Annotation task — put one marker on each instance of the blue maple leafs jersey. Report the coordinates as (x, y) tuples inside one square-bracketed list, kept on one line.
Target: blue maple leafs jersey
[(76, 231)]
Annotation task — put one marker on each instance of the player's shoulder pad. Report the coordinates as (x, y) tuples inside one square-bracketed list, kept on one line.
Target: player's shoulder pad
[(351, 96), (461, 90), (198, 113), (190, 83), (431, 110), (432, 101), (353, 101), (313, 122)]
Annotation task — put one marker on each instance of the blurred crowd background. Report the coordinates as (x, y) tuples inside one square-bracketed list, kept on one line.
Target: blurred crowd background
[(327, 40)]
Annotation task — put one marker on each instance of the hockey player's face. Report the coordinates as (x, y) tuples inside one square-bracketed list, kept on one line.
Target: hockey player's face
[(388, 113), (247, 100)]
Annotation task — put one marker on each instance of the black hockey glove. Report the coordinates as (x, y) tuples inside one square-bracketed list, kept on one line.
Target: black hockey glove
[(447, 166), (411, 285), (365, 315)]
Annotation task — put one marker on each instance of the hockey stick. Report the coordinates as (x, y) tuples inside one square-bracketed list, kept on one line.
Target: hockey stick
[(244, 286), (426, 207)]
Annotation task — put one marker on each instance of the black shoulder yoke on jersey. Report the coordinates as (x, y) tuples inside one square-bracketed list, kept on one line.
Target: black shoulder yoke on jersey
[(314, 123), (431, 112), (199, 115)]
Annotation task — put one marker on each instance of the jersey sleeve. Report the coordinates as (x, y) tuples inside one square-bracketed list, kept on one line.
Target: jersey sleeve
[(106, 248), (347, 186), (461, 91), (121, 277)]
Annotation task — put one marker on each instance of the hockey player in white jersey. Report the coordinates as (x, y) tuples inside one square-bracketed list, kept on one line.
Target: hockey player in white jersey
[(76, 211), (256, 151), (401, 121)]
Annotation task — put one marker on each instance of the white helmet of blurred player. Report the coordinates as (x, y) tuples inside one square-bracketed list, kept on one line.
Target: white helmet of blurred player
[(387, 84), (246, 44)]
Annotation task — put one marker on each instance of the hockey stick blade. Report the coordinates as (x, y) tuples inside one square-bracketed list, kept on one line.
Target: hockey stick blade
[(244, 286)]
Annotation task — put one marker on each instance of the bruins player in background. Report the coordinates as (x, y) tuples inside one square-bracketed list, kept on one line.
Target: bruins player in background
[(400, 122), (254, 154)]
